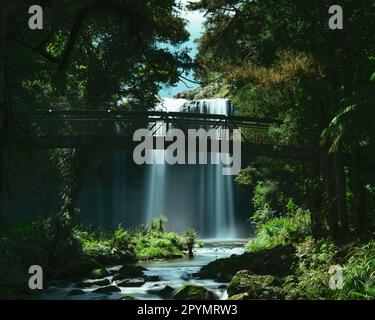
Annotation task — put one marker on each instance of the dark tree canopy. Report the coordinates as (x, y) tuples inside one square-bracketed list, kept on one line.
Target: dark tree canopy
[(99, 50)]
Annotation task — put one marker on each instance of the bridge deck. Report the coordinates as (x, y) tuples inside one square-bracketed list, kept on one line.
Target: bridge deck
[(97, 129)]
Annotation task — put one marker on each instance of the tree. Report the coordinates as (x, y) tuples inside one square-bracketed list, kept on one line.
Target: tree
[(159, 223), (280, 59), (191, 237), (90, 54)]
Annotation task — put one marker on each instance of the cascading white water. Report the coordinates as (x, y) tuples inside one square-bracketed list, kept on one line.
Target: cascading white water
[(192, 196)]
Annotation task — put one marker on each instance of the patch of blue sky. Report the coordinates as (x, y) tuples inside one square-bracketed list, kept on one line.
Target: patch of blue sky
[(195, 28)]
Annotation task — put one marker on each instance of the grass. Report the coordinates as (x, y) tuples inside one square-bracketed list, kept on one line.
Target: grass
[(280, 231), (315, 258), (46, 243)]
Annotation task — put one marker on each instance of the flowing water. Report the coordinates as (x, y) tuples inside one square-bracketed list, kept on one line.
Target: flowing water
[(190, 196), (204, 184), (173, 273)]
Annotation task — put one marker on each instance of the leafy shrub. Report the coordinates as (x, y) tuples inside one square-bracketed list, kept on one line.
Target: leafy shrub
[(359, 273), (106, 247), (269, 202), (311, 279), (157, 245), (280, 231)]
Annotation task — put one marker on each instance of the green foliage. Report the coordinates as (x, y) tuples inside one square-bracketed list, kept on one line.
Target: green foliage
[(41, 242), (106, 247), (158, 224), (270, 202), (144, 243), (316, 258), (246, 176), (190, 237), (319, 87), (99, 52), (312, 278), (158, 246), (280, 231), (359, 273)]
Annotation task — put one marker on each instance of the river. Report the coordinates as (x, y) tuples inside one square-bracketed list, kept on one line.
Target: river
[(173, 273)]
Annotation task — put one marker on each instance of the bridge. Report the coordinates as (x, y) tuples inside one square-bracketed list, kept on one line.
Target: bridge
[(50, 129)]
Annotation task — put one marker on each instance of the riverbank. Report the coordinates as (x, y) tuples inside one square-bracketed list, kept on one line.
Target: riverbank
[(283, 262), (69, 253), (153, 280)]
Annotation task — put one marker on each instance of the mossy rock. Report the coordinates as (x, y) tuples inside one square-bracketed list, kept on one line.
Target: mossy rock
[(128, 298), (78, 269), (191, 292), (255, 286), (108, 289), (240, 296), (99, 283), (132, 283), (279, 262), (165, 292), (99, 273), (152, 278), (76, 292), (131, 271), (119, 277)]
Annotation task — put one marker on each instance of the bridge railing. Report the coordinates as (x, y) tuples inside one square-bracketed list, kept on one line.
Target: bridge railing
[(75, 124)]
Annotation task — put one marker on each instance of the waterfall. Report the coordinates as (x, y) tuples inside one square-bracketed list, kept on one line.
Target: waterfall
[(192, 196)]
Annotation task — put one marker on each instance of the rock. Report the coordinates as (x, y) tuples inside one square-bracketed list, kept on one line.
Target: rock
[(132, 283), (255, 286), (99, 273), (278, 262), (241, 296), (78, 269), (152, 278), (76, 292), (100, 283), (191, 292), (128, 298), (187, 276), (132, 271), (165, 292), (119, 277), (108, 289), (223, 286)]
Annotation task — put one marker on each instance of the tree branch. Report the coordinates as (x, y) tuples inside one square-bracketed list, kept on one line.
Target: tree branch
[(38, 50)]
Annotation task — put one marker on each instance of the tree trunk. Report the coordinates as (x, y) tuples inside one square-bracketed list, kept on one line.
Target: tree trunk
[(73, 173), (190, 247), (341, 192), (316, 202), (326, 163), (3, 110), (359, 191)]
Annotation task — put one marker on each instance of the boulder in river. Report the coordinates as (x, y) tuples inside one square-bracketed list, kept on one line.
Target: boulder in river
[(76, 292), (278, 262), (128, 298), (78, 269), (90, 284), (99, 273), (131, 283), (165, 292), (108, 289), (152, 278), (246, 285), (192, 292), (132, 271)]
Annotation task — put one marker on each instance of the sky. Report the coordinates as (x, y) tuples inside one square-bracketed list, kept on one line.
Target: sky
[(195, 27)]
